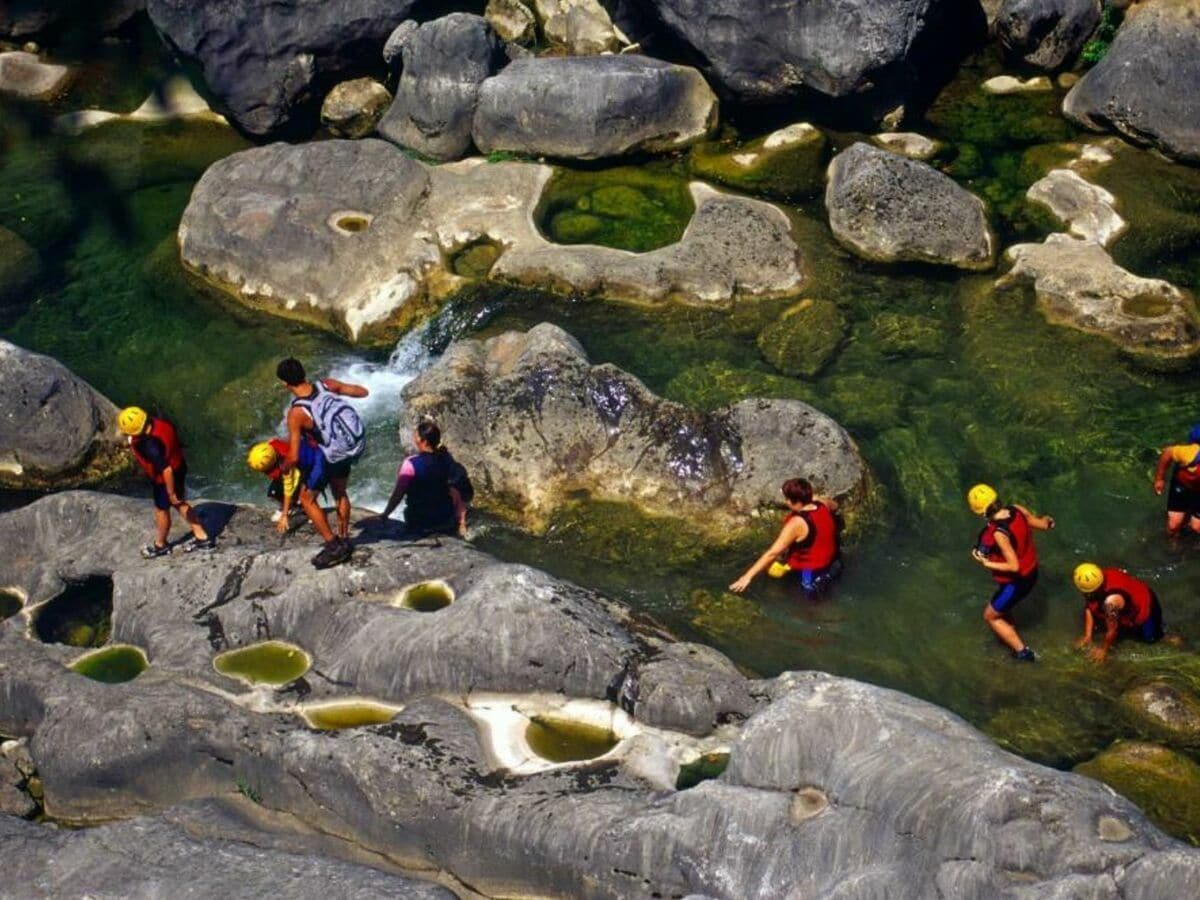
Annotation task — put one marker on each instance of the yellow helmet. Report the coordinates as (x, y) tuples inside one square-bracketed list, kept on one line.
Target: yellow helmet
[(980, 497), (1088, 577), (262, 457), (132, 420)]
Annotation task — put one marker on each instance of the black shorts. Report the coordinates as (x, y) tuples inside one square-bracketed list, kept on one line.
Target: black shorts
[(1013, 592), (326, 472), (1181, 499), (159, 491)]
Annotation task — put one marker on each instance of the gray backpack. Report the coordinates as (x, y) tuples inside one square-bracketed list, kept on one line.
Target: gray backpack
[(336, 424)]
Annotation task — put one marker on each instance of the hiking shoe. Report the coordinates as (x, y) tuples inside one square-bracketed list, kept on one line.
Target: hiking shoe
[(332, 553), (153, 551), (196, 544), (1026, 655)]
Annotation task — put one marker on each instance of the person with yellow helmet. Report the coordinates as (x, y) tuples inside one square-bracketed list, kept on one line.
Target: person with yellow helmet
[(156, 447), (1183, 497), (267, 457), (1005, 548), (1126, 605)]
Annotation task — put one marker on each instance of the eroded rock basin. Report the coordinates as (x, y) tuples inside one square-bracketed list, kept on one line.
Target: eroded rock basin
[(112, 665), (269, 663)]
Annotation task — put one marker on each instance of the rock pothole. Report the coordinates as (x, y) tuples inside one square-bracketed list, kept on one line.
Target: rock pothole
[(336, 715), (112, 665), (81, 616), (558, 739), (1113, 830), (11, 603), (270, 662), (808, 803), (426, 596), (350, 223)]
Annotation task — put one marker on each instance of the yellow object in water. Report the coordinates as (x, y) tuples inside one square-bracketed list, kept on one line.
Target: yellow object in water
[(778, 570)]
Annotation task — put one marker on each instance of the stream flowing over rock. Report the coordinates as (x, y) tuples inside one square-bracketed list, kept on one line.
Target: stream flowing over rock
[(268, 63), (357, 237), (593, 107), (55, 429), (807, 804), (445, 61), (1145, 88), (536, 421), (889, 208)]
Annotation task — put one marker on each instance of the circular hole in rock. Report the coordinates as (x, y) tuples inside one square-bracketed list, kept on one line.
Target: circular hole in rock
[(475, 260), (559, 740), (81, 616), (703, 768), (428, 596), (350, 222), (1146, 306), (10, 604), (807, 803), (112, 665), (340, 714), (271, 662)]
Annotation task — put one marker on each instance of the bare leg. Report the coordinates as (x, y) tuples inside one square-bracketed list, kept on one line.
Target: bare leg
[(189, 515), (1003, 629), (315, 514), (162, 526), (1175, 522), (338, 486), (1194, 524)]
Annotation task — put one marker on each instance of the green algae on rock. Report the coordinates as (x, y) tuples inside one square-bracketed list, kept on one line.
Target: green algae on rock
[(703, 768), (561, 740), (805, 338), (80, 616), (335, 715), (270, 662), (787, 164), (112, 665), (20, 268), (714, 383), (1165, 784), (1164, 710), (898, 334)]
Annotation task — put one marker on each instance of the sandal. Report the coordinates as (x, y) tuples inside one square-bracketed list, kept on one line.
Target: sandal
[(154, 551), (197, 544)]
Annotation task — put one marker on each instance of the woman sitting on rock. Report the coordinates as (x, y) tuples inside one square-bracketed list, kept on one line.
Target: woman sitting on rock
[(431, 484), (808, 543)]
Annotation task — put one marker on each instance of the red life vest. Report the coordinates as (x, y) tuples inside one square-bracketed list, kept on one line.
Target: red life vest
[(165, 432), (1021, 535), (1189, 475), (819, 548), (1138, 597), (281, 449)]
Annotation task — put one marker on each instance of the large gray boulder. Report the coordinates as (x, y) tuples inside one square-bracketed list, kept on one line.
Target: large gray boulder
[(536, 421), (888, 208), (444, 63), (833, 788), (1047, 34), (55, 429), (1145, 88), (22, 18), (866, 53), (269, 63), (358, 238), (593, 107)]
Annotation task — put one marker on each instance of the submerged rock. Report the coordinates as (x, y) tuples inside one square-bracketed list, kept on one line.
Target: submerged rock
[(20, 267), (805, 338), (1047, 34), (268, 63), (593, 107), (907, 143), (1164, 783), (357, 237), (1078, 284), (353, 108), (24, 76), (1004, 85), (888, 208), (1166, 710), (787, 163), (1145, 87), (445, 62), (1089, 211), (537, 421), (55, 429), (436, 788)]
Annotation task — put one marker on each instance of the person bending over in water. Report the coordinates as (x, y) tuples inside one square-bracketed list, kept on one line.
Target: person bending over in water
[(1183, 496), (1005, 548), (1126, 605), (808, 541), (429, 484)]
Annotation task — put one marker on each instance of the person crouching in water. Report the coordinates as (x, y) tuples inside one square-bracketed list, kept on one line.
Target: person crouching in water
[(1126, 605), (1005, 548), (158, 450), (267, 458), (432, 504), (809, 539)]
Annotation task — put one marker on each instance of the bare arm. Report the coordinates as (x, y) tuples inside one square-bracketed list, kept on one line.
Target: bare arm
[(296, 419), (1113, 604), (1010, 563), (168, 475), (1089, 624), (1041, 523), (795, 530), (345, 388), (1160, 474), (460, 511)]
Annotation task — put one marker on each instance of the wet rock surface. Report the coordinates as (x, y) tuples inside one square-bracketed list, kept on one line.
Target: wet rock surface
[(24, 76), (356, 237), (1145, 87), (1164, 783), (807, 801), (268, 63), (535, 420), (1046, 33), (593, 107), (786, 163), (55, 429), (444, 63), (1166, 710), (888, 208)]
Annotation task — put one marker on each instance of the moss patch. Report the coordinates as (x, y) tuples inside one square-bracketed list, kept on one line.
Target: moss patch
[(716, 383), (804, 339), (1165, 784), (794, 169), (20, 267), (866, 403), (898, 334)]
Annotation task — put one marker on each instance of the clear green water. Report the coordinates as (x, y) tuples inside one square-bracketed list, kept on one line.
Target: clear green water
[(704, 768), (271, 662), (941, 381), (562, 740), (112, 665), (349, 714), (428, 596)]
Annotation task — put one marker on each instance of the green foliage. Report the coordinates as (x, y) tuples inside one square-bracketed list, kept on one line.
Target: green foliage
[(246, 790), (1096, 49)]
